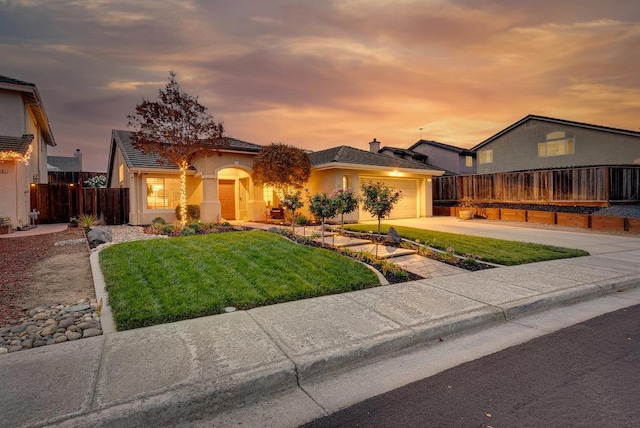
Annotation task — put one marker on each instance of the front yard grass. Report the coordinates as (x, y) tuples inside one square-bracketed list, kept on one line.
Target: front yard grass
[(165, 280), (491, 250)]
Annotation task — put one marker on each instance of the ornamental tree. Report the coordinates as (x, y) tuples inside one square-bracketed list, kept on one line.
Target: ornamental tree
[(178, 129), (293, 201), (323, 206), (378, 199), (282, 167), (347, 202)]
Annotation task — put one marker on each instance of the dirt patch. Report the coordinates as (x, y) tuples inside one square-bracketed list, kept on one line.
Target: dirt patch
[(35, 272)]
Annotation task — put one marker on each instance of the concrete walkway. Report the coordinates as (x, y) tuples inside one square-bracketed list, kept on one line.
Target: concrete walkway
[(41, 229), (197, 369)]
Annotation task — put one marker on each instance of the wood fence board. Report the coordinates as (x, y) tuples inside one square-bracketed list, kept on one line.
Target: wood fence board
[(587, 185), (57, 203)]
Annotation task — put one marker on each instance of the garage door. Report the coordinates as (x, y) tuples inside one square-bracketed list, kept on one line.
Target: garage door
[(407, 207)]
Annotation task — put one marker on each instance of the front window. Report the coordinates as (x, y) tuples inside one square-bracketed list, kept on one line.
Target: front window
[(468, 161), (485, 156), (162, 193), (565, 146)]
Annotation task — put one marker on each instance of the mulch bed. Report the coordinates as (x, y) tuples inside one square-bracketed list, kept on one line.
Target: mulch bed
[(18, 256)]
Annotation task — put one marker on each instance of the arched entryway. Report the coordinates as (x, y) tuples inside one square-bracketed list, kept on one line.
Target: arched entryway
[(234, 194)]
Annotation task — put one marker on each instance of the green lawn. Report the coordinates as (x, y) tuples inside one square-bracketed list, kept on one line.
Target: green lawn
[(492, 250), (165, 280)]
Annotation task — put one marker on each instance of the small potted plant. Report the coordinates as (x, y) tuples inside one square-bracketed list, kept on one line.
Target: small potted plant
[(5, 225), (467, 208)]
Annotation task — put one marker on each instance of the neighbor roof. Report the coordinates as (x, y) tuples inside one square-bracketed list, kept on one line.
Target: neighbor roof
[(444, 146), (32, 99), (137, 159), (64, 163), (15, 144), (351, 155), (404, 152), (560, 122)]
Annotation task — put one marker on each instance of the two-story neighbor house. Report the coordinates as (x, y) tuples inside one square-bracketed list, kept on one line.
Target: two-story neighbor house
[(223, 188), (24, 136), (455, 160), (538, 142)]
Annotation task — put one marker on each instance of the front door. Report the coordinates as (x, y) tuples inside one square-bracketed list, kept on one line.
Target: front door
[(227, 196)]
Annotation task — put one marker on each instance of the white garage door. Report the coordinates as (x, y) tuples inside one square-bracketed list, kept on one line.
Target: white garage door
[(407, 207)]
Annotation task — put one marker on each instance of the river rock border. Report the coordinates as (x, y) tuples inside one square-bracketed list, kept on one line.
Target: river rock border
[(49, 325)]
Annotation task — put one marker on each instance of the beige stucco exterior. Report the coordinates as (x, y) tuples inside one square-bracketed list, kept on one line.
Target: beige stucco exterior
[(16, 120), (249, 199)]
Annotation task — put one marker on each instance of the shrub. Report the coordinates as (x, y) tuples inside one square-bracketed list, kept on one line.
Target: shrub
[(88, 221), (300, 219), (193, 212), (187, 231), (159, 220)]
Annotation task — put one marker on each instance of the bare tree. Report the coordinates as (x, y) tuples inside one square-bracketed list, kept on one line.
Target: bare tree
[(178, 129)]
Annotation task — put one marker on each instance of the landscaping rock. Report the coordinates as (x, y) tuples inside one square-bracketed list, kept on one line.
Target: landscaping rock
[(91, 332), (99, 235), (393, 237), (52, 326)]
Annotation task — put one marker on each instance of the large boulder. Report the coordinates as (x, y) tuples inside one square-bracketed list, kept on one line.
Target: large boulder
[(393, 237), (99, 235)]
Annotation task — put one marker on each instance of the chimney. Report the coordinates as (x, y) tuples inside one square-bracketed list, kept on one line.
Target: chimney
[(78, 154), (374, 146)]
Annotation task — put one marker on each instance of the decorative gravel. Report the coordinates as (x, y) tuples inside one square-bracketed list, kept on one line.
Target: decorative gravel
[(628, 211)]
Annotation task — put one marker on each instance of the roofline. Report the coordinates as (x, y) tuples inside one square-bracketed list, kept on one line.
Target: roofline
[(559, 121), (452, 148), (35, 105), (357, 166)]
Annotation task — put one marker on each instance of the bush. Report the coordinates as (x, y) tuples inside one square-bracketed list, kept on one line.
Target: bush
[(300, 219), (187, 231), (196, 226), (88, 221), (159, 220), (193, 212)]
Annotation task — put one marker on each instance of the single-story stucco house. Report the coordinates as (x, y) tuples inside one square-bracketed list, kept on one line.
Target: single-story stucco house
[(221, 184)]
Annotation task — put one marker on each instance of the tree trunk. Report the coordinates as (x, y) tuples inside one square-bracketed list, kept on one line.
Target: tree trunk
[(183, 193)]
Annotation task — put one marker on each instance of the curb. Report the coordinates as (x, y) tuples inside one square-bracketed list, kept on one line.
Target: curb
[(189, 401), (106, 315)]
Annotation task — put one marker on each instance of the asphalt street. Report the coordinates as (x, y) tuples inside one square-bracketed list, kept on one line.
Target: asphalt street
[(586, 375)]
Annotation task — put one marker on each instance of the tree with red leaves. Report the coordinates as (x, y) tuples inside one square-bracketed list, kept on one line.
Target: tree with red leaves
[(282, 167), (178, 129)]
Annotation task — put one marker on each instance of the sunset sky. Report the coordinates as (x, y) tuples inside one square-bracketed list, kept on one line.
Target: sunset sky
[(317, 74)]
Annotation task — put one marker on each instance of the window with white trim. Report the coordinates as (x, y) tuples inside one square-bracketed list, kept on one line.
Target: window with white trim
[(162, 193)]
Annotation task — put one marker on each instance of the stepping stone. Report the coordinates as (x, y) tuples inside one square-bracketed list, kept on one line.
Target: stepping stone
[(383, 252), (77, 308)]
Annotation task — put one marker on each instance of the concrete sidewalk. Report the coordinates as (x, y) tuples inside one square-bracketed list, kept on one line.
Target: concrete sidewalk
[(194, 369)]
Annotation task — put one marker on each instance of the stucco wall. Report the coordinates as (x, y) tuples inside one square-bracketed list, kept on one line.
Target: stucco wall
[(518, 149), (12, 114), (8, 191), (445, 159)]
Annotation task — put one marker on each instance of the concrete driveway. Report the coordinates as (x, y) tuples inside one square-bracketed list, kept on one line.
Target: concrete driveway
[(593, 242)]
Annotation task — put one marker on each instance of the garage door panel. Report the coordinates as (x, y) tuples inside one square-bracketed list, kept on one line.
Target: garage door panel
[(407, 207)]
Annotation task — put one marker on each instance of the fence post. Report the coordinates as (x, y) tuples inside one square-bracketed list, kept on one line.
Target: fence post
[(607, 188)]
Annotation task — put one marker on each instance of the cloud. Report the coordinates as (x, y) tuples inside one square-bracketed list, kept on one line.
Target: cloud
[(319, 74)]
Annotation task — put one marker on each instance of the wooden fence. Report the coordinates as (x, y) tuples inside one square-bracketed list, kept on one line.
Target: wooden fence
[(595, 186), (59, 177), (57, 203)]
